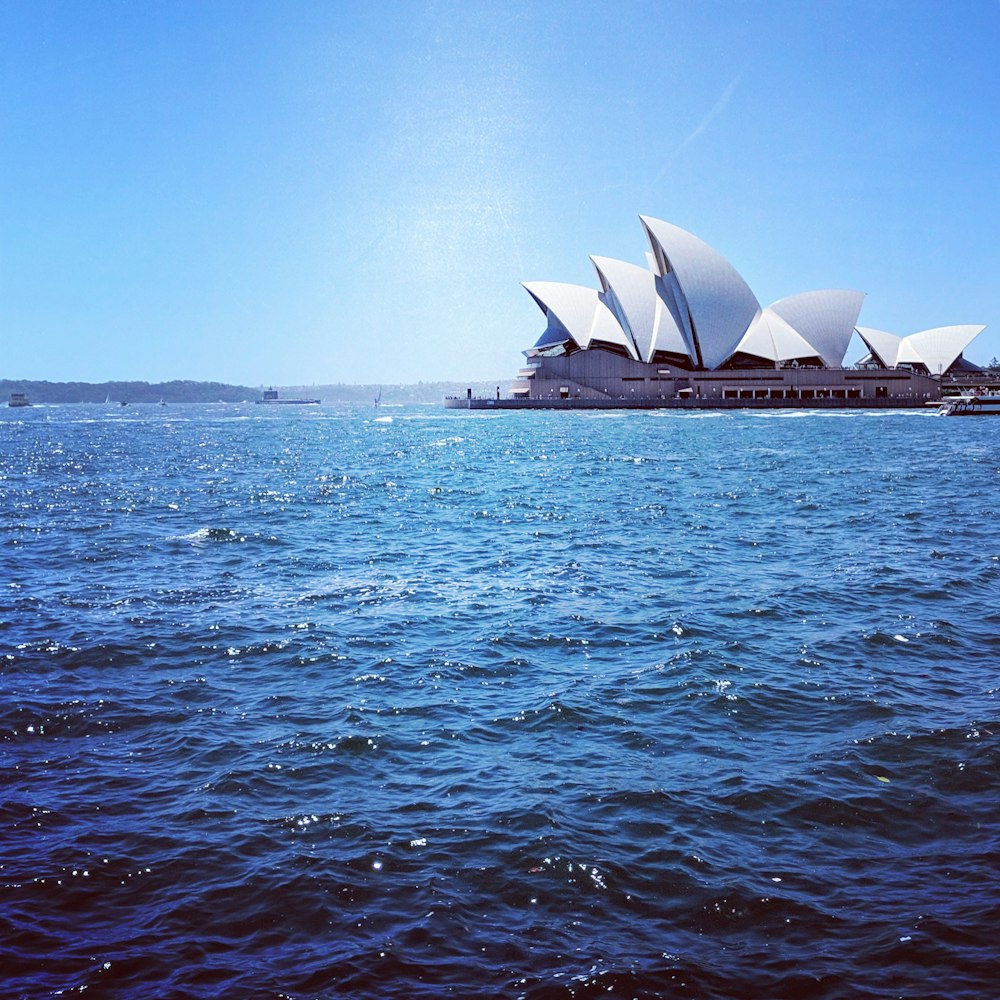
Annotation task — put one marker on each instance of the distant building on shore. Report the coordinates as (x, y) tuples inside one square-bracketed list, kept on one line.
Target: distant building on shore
[(686, 331)]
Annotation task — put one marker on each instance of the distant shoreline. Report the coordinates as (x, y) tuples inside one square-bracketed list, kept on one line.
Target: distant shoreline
[(216, 392)]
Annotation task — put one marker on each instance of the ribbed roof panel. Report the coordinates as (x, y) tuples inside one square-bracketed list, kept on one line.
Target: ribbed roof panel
[(772, 337), (720, 303), (825, 318), (649, 320), (885, 346), (940, 347), (580, 310)]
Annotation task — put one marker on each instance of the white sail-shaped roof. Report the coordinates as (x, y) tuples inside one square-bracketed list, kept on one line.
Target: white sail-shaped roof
[(773, 338), (580, 310), (824, 318), (938, 348), (719, 302), (885, 346), (644, 314)]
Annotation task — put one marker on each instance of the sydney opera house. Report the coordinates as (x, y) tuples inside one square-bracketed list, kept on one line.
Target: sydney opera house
[(687, 331)]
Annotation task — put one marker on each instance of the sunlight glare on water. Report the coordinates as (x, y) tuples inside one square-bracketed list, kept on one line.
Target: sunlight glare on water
[(328, 702)]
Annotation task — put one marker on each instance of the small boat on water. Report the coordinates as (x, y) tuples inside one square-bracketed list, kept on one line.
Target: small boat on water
[(271, 396), (18, 399), (971, 404)]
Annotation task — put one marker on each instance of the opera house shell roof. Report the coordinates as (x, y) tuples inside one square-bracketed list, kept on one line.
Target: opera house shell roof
[(936, 350), (690, 308)]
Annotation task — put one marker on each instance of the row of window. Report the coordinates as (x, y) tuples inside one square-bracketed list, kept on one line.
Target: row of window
[(851, 392)]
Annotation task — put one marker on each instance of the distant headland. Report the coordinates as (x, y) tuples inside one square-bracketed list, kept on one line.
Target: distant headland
[(221, 392)]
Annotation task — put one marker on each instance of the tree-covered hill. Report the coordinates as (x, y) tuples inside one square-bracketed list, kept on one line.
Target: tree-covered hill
[(128, 392), (215, 392)]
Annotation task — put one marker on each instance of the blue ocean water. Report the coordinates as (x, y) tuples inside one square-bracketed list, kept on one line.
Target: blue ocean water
[(312, 702)]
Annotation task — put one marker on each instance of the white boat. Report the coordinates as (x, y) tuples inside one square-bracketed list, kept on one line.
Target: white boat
[(18, 399), (971, 404)]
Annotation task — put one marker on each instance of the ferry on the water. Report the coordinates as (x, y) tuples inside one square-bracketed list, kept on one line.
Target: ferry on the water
[(972, 404), (271, 396)]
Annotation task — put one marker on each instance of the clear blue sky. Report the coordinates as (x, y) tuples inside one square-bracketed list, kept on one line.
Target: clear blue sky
[(299, 192)]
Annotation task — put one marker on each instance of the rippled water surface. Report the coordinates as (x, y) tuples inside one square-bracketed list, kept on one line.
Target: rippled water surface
[(312, 702)]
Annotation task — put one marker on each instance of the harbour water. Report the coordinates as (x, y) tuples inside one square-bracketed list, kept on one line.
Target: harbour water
[(313, 702)]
